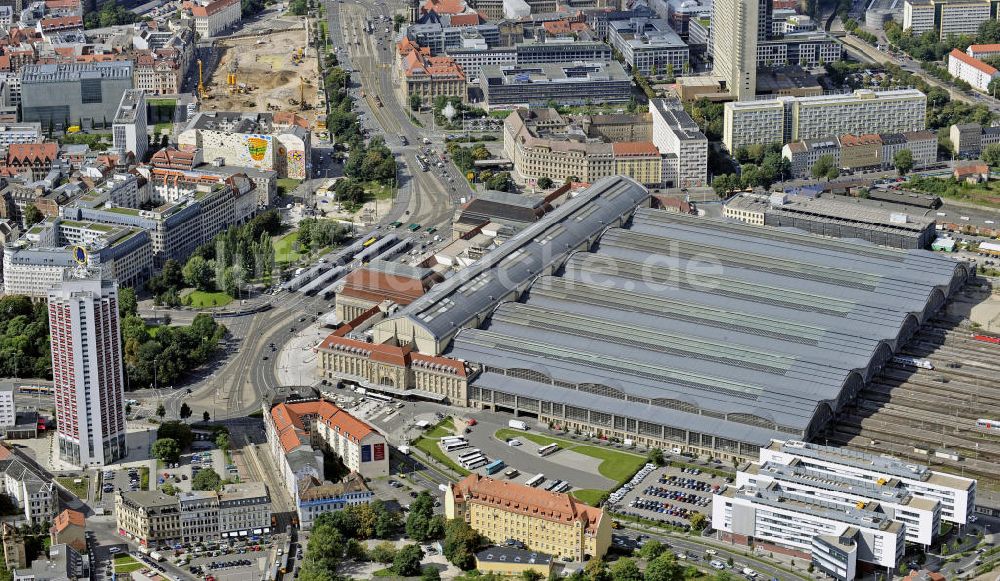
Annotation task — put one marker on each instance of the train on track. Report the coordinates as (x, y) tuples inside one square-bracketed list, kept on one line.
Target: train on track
[(987, 339), (912, 361), (992, 425)]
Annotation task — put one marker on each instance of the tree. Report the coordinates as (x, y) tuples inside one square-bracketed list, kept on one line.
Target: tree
[(298, 7), (531, 575), (177, 431), (206, 416), (387, 521), (903, 160), (991, 154), (356, 551), (500, 182), (199, 273), (824, 164), (415, 102), (544, 182), (166, 449), (597, 570), (655, 456), (161, 410), (651, 550), (127, 303), (460, 544), (430, 573), (698, 521), (664, 568), (169, 489), (407, 560), (383, 553), (418, 524), (32, 215), (832, 173), (222, 441), (989, 32), (626, 570), (185, 411), (206, 479), (725, 184)]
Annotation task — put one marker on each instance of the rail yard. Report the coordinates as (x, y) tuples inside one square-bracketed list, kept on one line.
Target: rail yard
[(933, 415)]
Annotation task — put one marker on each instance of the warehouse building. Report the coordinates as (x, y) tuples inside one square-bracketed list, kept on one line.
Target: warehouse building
[(604, 317), (836, 217)]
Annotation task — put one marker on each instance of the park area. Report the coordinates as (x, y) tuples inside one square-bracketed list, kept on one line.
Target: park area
[(203, 300), (271, 74), (78, 486)]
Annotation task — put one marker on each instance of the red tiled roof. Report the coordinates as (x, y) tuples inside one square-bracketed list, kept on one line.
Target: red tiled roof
[(68, 517), (519, 498), (972, 168), (401, 356), (445, 6), (289, 118), (212, 8), (636, 148), (291, 421), (983, 48), (858, 140), (471, 19), (61, 22), (31, 152), (373, 285), (972, 62)]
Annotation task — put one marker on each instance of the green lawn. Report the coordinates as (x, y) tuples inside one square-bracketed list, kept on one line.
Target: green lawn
[(378, 191), (445, 427), (202, 299), (160, 128), (985, 194), (126, 564), (617, 465), (283, 248), (590, 496), (286, 185), (144, 478), (80, 490)]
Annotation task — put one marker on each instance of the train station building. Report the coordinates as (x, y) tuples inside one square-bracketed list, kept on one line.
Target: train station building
[(618, 320)]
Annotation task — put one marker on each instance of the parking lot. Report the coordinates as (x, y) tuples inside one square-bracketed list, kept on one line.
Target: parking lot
[(671, 495), (226, 561)]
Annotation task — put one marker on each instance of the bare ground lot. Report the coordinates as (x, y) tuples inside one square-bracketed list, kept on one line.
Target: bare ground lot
[(267, 72)]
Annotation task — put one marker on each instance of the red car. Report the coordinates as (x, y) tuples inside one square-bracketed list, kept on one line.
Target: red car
[(473, 422)]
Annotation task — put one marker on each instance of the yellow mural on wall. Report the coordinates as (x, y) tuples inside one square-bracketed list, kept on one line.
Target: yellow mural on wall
[(257, 148)]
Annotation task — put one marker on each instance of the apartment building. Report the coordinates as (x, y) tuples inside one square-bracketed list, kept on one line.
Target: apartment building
[(981, 51), (153, 518), (946, 17), (971, 70), (803, 155), (280, 141), (542, 143), (570, 83), (440, 37), (735, 33), (649, 45), (298, 431), (548, 522), (969, 139), (11, 133), (562, 50), (786, 119), (682, 143), (33, 494), (213, 16), (861, 152), (472, 60)]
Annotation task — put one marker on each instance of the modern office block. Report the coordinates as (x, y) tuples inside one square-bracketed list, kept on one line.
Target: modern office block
[(129, 132), (61, 95)]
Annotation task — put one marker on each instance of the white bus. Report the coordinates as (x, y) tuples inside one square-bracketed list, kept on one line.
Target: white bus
[(471, 460), (450, 439), (456, 446), (536, 480), (478, 464), (546, 450), (563, 487), (553, 485), (470, 454)]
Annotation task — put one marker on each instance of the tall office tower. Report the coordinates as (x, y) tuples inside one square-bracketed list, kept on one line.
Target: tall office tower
[(87, 370), (129, 128), (736, 27)]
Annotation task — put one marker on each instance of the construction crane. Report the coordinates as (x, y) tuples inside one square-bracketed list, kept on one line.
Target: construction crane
[(201, 85), (302, 93)]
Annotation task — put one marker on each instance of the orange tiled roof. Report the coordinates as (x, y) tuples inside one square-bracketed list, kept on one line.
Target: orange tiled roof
[(977, 48), (32, 151), (470, 19), (212, 8), (291, 421), (535, 502), (972, 62), (401, 356), (445, 6), (289, 118), (61, 22), (856, 140), (68, 517), (373, 285), (634, 148), (972, 168)]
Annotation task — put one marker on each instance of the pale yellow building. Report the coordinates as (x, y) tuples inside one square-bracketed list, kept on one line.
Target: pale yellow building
[(547, 522)]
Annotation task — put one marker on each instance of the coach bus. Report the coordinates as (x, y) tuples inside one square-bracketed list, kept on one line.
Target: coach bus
[(452, 446), (495, 466), (533, 482), (549, 449)]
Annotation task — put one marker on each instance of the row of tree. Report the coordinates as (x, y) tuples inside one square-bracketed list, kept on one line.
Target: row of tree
[(168, 356), (24, 338)]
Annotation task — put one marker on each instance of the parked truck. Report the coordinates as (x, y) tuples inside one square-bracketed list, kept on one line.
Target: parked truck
[(517, 425), (156, 556)]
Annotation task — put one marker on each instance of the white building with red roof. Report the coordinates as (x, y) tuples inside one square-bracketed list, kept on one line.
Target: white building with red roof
[(213, 16), (971, 70), (299, 431)]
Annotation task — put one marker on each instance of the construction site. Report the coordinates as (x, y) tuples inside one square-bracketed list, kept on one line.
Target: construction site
[(272, 72)]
